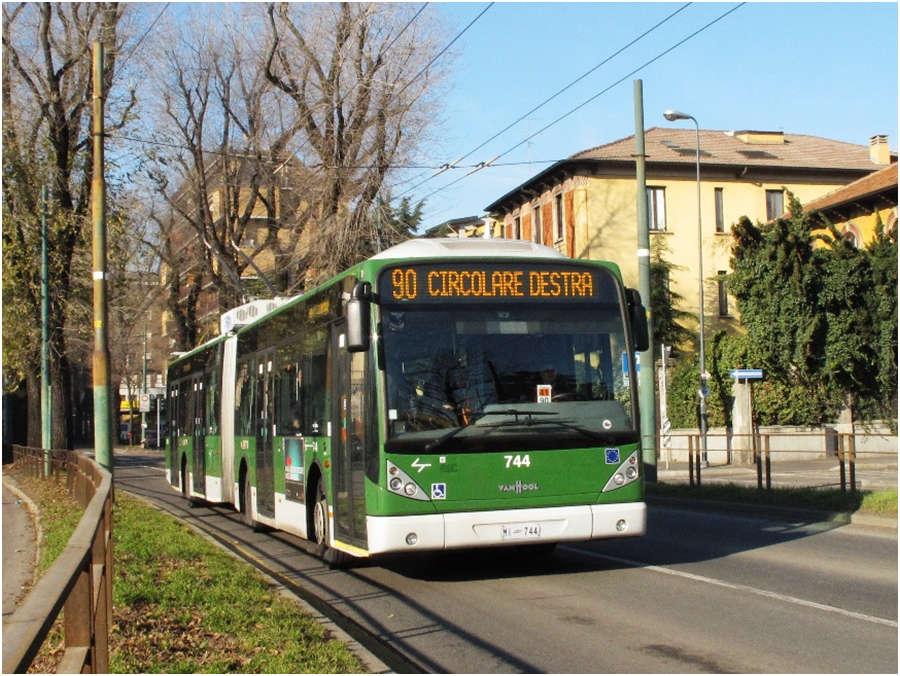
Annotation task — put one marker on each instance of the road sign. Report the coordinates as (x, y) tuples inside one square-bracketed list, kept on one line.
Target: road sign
[(637, 362), (747, 374), (145, 403)]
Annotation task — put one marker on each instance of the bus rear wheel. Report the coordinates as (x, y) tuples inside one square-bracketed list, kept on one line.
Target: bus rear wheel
[(246, 510), (185, 486)]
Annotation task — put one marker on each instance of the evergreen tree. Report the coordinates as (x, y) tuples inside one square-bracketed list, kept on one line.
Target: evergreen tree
[(820, 315), (664, 302)]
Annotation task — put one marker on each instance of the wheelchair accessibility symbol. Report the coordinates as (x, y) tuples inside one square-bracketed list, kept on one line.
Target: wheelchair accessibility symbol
[(438, 491)]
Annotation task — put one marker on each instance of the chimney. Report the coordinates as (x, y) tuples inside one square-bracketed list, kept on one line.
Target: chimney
[(879, 150)]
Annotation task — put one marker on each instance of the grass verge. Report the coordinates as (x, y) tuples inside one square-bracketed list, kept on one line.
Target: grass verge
[(181, 604), (881, 503)]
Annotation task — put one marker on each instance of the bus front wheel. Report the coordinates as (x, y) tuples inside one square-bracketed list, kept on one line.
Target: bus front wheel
[(331, 556), (320, 519)]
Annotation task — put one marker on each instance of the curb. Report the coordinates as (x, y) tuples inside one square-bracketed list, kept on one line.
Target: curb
[(777, 513)]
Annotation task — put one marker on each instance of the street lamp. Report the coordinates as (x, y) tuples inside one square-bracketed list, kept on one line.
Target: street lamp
[(671, 116)]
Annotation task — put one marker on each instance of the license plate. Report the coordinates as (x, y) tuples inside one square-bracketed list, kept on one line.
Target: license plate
[(521, 531)]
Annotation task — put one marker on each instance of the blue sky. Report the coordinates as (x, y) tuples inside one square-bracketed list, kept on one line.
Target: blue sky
[(824, 69)]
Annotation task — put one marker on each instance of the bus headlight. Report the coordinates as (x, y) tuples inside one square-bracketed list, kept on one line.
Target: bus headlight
[(402, 484), (627, 473)]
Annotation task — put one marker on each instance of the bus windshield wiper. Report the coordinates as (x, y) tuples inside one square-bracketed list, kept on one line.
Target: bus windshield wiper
[(517, 413), (500, 423), (446, 436), (599, 436), (590, 434)]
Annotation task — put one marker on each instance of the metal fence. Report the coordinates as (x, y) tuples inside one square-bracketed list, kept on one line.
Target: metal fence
[(80, 580), (793, 453)]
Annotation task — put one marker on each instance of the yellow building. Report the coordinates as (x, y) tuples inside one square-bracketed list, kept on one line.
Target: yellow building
[(586, 205), (856, 209)]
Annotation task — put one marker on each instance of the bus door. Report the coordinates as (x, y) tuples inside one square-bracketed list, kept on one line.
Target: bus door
[(174, 410), (198, 431), (348, 440), (265, 418)]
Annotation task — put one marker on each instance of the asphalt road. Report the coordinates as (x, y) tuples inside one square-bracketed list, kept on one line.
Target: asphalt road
[(701, 593)]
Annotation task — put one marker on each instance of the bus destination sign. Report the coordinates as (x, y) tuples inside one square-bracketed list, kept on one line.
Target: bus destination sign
[(480, 281)]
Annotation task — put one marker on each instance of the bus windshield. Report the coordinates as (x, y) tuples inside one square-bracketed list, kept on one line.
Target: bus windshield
[(530, 375)]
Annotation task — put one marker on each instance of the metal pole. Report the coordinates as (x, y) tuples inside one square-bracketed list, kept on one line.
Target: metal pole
[(158, 423), (144, 389), (647, 376), (671, 116), (102, 401), (704, 376), (46, 401)]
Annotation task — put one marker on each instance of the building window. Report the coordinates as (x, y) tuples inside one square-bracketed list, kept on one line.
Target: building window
[(517, 228), (852, 234), (656, 209), (536, 223), (774, 204), (558, 217), (720, 210), (723, 294)]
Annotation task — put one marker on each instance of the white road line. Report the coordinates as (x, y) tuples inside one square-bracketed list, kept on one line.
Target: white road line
[(739, 587)]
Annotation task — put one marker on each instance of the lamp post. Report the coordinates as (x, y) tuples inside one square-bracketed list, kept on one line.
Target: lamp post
[(671, 116)]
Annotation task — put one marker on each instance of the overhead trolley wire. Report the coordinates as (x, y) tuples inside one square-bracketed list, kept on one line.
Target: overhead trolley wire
[(590, 100), (445, 167)]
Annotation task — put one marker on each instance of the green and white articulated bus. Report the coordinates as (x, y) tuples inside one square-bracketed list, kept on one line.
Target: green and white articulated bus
[(444, 394)]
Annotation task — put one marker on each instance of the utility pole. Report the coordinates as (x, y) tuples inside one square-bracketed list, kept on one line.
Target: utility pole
[(102, 402), (144, 388), (647, 376), (46, 401)]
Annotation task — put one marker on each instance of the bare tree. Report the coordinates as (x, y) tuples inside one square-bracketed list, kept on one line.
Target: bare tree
[(364, 87), (221, 169), (47, 91)]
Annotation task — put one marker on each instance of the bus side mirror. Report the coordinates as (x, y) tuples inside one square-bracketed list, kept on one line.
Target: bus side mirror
[(638, 316), (359, 318)]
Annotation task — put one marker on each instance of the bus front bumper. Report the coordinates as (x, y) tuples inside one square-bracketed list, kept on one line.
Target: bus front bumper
[(505, 527)]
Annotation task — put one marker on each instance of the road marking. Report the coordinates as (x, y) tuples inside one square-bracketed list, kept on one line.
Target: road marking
[(740, 587)]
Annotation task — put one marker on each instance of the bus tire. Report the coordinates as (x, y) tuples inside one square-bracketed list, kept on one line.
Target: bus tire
[(245, 493), (185, 486), (321, 534)]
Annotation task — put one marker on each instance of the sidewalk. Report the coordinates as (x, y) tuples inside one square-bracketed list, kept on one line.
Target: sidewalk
[(19, 546), (872, 474)]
